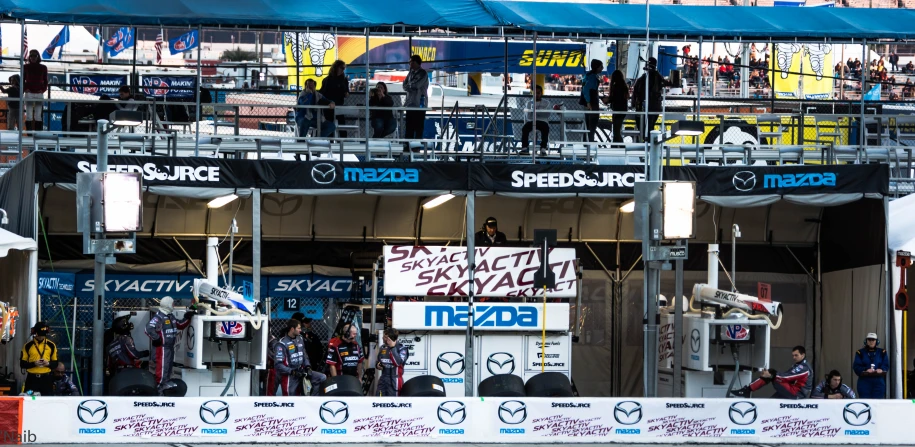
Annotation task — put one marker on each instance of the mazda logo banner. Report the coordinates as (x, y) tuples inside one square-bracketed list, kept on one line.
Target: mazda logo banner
[(62, 168)]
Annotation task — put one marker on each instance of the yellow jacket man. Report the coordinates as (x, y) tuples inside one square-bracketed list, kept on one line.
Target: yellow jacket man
[(39, 358)]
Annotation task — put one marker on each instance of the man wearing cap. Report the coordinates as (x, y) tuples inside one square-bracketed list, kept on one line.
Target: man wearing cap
[(39, 357), (490, 235), (163, 329), (656, 84), (871, 365)]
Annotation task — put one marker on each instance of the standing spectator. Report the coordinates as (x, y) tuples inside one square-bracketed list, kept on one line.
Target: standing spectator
[(589, 97), (306, 118), (871, 365), (656, 84), (335, 87), (39, 357), (619, 102), (543, 126), (125, 96), (383, 123), (894, 61), (14, 113), (416, 85), (833, 388), (35, 86)]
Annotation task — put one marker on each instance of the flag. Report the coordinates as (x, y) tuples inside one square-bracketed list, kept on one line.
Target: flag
[(1, 45), (159, 47), (98, 44), (58, 41), (25, 44), (121, 40), (873, 94), (185, 42)]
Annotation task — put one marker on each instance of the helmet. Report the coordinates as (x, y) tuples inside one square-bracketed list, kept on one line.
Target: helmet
[(652, 63), (122, 325), (167, 304)]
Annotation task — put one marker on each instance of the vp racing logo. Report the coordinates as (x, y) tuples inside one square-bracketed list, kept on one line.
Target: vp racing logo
[(627, 412), (744, 181), (452, 412), (92, 411), (214, 412), (500, 363), (450, 363), (857, 414), (323, 173), (743, 413), (512, 412), (334, 412)]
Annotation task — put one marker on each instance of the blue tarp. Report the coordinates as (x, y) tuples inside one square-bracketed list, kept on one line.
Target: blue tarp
[(289, 13), (619, 20)]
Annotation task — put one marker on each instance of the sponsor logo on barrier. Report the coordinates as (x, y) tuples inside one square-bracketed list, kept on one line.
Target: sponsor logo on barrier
[(857, 414), (487, 316), (628, 412), (334, 412), (549, 356), (450, 364), (333, 431), (452, 412), (685, 406), (92, 412), (11, 437), (323, 173), (512, 412), (274, 404), (154, 404), (857, 433), (381, 175), (796, 180), (743, 413), (744, 181), (152, 171), (500, 363), (628, 431), (511, 431), (214, 412), (391, 405), (570, 405), (577, 179), (214, 431), (800, 406), (451, 431), (92, 431), (743, 431)]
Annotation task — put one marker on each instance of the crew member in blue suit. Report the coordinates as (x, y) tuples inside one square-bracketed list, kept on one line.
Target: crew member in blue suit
[(871, 366)]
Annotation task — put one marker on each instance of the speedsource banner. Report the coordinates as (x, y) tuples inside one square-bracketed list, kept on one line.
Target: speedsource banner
[(500, 272), (556, 178), (459, 420)]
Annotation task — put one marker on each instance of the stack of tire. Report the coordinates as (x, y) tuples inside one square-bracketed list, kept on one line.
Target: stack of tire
[(547, 384)]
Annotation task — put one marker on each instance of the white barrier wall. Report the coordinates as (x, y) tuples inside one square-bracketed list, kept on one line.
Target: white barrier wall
[(454, 420)]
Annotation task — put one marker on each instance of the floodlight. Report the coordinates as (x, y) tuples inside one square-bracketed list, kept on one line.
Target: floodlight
[(628, 206), (219, 202), (122, 202), (679, 204), (436, 201), (685, 128), (126, 118)]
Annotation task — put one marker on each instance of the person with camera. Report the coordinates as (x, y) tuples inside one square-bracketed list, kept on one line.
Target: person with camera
[(345, 357), (490, 235), (391, 359), (383, 123), (39, 357), (307, 118), (291, 363)]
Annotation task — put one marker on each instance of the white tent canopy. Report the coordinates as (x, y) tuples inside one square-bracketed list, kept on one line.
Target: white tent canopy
[(18, 287), (901, 226), (11, 241)]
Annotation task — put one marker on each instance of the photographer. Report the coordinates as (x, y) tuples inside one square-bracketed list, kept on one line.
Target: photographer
[(383, 123)]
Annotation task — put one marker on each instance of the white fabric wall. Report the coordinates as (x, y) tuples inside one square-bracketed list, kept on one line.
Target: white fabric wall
[(14, 288), (853, 304)]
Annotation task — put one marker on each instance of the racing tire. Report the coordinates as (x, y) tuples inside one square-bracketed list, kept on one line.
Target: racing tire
[(178, 391), (134, 382), (342, 386), (549, 384), (502, 385), (423, 386)]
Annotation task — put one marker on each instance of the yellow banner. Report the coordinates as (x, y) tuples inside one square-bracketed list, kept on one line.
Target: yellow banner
[(819, 71), (311, 53), (812, 61), (787, 62)]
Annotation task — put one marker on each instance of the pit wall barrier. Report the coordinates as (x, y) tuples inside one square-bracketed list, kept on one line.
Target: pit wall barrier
[(462, 420)]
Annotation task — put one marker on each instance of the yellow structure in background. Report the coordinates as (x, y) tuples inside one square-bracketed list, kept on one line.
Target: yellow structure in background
[(802, 71)]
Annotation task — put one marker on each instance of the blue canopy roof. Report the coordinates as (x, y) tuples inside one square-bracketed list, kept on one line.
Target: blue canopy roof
[(284, 13), (583, 19), (693, 21)]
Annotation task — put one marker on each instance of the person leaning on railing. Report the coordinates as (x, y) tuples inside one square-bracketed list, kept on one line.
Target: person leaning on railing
[(382, 120), (306, 118)]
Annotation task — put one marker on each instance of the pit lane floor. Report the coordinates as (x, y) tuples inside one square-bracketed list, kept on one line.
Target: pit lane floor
[(447, 445)]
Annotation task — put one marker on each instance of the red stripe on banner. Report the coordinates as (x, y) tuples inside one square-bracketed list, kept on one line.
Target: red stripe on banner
[(10, 420)]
